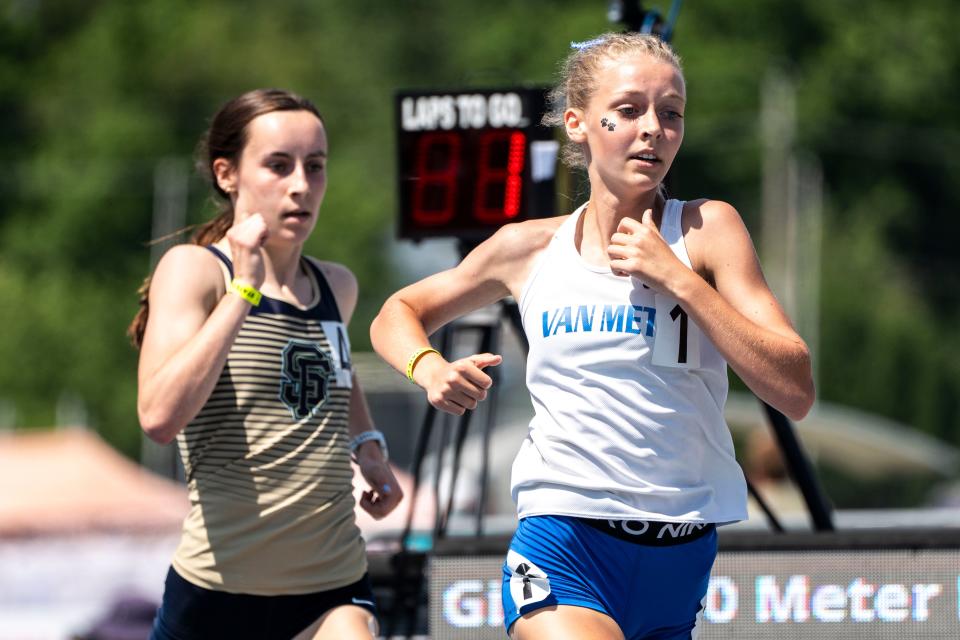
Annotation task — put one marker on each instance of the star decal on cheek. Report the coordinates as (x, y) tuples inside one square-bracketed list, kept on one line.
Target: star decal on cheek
[(609, 124)]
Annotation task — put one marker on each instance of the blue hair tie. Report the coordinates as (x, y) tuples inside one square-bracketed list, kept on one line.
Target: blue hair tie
[(586, 44)]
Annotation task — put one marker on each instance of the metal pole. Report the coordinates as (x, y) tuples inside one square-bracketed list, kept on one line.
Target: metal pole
[(800, 470), (170, 195)]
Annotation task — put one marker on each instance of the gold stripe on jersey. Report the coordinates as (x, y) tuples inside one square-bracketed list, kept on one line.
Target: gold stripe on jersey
[(268, 467)]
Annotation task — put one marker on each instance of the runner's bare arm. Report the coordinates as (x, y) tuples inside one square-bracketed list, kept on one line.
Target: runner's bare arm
[(740, 314), (189, 332), (494, 270)]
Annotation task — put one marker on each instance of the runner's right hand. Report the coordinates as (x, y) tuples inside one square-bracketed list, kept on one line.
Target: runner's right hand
[(246, 239), (456, 386)]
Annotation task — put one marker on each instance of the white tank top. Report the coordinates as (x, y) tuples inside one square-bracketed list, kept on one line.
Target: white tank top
[(628, 397)]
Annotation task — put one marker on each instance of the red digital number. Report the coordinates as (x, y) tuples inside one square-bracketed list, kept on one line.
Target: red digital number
[(435, 183), (499, 188)]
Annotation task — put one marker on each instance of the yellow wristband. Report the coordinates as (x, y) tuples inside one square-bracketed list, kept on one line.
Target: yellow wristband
[(246, 292), (415, 358)]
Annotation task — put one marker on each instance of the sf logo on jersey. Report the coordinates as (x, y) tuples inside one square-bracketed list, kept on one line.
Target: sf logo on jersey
[(306, 374)]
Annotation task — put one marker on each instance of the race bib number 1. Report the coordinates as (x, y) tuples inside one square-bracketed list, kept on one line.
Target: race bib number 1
[(677, 342)]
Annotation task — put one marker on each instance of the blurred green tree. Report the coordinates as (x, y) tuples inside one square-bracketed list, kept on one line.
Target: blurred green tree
[(97, 93)]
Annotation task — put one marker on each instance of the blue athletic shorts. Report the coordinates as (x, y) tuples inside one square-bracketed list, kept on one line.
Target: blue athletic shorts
[(650, 577), (189, 612)]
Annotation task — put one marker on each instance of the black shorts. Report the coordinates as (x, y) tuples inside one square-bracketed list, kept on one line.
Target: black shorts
[(189, 612)]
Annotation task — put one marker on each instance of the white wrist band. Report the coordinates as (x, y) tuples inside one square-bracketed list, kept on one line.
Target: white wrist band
[(367, 436)]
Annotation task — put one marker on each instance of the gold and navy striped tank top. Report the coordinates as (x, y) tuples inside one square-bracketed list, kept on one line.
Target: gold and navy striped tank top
[(266, 459)]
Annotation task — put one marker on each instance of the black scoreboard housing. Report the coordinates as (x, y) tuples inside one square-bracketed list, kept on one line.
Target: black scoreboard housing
[(464, 161)]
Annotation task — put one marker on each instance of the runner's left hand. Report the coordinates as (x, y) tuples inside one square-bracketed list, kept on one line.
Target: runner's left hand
[(385, 493), (637, 249)]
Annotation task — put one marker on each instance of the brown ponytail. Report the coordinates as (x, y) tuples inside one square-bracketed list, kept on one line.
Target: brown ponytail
[(226, 138)]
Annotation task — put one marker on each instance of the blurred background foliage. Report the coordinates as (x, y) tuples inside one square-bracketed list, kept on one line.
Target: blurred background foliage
[(96, 94)]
